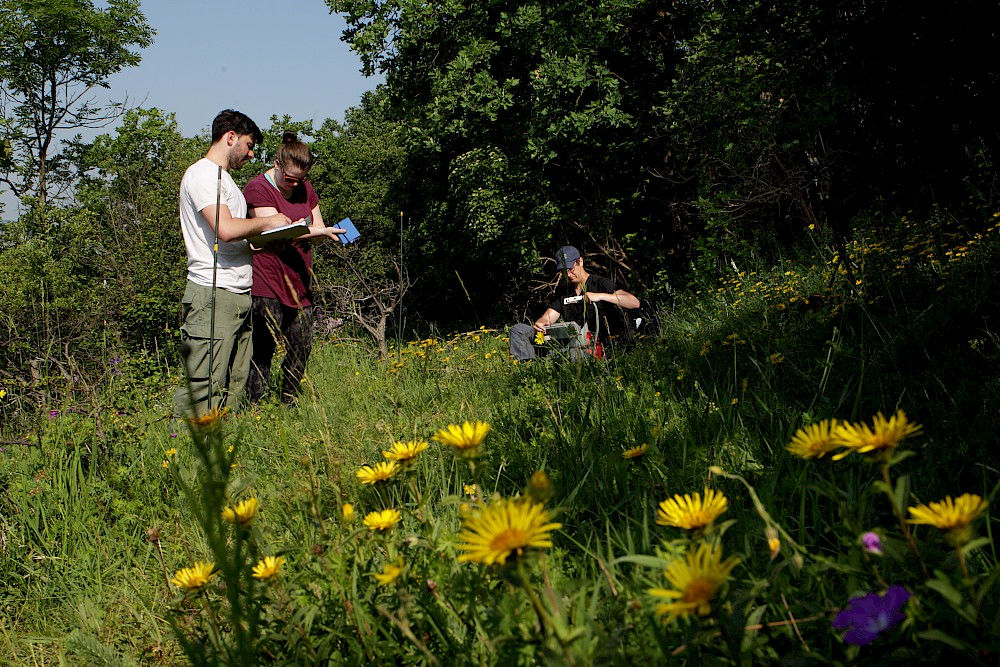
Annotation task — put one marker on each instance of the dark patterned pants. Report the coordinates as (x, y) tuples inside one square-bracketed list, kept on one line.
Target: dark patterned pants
[(273, 322)]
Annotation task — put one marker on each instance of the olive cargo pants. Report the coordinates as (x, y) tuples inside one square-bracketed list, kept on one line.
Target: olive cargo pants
[(233, 348)]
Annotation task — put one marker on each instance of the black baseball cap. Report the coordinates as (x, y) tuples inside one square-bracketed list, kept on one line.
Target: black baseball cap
[(566, 256)]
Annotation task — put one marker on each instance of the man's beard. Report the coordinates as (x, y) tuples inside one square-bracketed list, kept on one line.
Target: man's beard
[(235, 159)]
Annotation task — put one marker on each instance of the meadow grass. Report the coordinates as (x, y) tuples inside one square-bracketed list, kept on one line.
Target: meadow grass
[(96, 499)]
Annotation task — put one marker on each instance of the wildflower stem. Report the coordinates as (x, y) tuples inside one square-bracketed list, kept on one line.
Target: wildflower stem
[(759, 506), (898, 511), (213, 622), (980, 619), (543, 616), (961, 563), (154, 537)]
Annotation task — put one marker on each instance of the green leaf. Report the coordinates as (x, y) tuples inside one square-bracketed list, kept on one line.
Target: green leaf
[(946, 590), (938, 636), (639, 559), (882, 487), (975, 544), (902, 491), (954, 597), (900, 456)]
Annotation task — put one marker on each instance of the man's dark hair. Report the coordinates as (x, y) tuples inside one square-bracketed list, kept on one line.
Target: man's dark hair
[(240, 123)]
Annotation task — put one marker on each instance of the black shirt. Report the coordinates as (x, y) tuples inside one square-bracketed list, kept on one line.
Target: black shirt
[(614, 320)]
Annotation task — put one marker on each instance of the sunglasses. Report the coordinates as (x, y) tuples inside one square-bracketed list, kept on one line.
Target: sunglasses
[(290, 180)]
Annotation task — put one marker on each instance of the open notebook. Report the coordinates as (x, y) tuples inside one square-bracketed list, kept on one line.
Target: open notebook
[(290, 231)]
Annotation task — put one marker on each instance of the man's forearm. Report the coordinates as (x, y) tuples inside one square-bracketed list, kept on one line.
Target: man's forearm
[(237, 229), (621, 299), (547, 318)]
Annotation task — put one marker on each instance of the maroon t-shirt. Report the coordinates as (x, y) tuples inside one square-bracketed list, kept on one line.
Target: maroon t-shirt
[(283, 259)]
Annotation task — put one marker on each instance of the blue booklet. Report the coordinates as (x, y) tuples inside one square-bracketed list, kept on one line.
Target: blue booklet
[(351, 233)]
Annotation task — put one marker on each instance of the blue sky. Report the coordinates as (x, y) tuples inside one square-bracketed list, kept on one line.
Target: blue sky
[(260, 57)]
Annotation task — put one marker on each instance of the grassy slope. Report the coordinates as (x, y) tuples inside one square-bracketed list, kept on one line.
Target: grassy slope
[(735, 373)]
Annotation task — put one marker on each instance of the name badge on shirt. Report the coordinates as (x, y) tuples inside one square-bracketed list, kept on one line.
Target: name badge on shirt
[(572, 299)]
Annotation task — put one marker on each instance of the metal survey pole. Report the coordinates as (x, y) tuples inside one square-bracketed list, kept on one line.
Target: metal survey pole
[(215, 268)]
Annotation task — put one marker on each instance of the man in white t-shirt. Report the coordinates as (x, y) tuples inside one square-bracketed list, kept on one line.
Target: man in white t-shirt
[(209, 194)]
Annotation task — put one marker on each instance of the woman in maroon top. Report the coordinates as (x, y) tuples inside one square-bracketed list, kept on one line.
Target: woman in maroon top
[(282, 271)]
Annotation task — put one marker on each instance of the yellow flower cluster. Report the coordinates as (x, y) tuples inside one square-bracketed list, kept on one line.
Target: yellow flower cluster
[(383, 520), (390, 573), (492, 533), (428, 351), (195, 576), (268, 567), (691, 511), (636, 452), (242, 513), (776, 288), (465, 439), (879, 440), (953, 516), (695, 579), (379, 472), (405, 451)]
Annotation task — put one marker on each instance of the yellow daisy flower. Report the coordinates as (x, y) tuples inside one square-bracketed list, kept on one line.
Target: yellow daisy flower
[(405, 451), (193, 577), (170, 452), (949, 514), (243, 513), (377, 473), (464, 439), (490, 534), (389, 574), (814, 441), (470, 489), (695, 578), (880, 439), (208, 420), (636, 452), (691, 512), (383, 520), (347, 512), (268, 567)]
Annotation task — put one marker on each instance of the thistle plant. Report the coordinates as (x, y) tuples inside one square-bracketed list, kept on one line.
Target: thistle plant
[(228, 529)]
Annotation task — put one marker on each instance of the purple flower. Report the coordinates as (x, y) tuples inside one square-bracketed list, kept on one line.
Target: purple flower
[(866, 617), (872, 543), (53, 414)]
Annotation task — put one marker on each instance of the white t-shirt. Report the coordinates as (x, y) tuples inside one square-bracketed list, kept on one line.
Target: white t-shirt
[(198, 191)]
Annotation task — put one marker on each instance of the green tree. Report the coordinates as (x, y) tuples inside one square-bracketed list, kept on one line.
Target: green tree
[(358, 166), (107, 275), (53, 55), (656, 134), (357, 175), (520, 130), (129, 180)]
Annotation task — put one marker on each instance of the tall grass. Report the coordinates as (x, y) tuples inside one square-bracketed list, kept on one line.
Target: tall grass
[(90, 504)]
